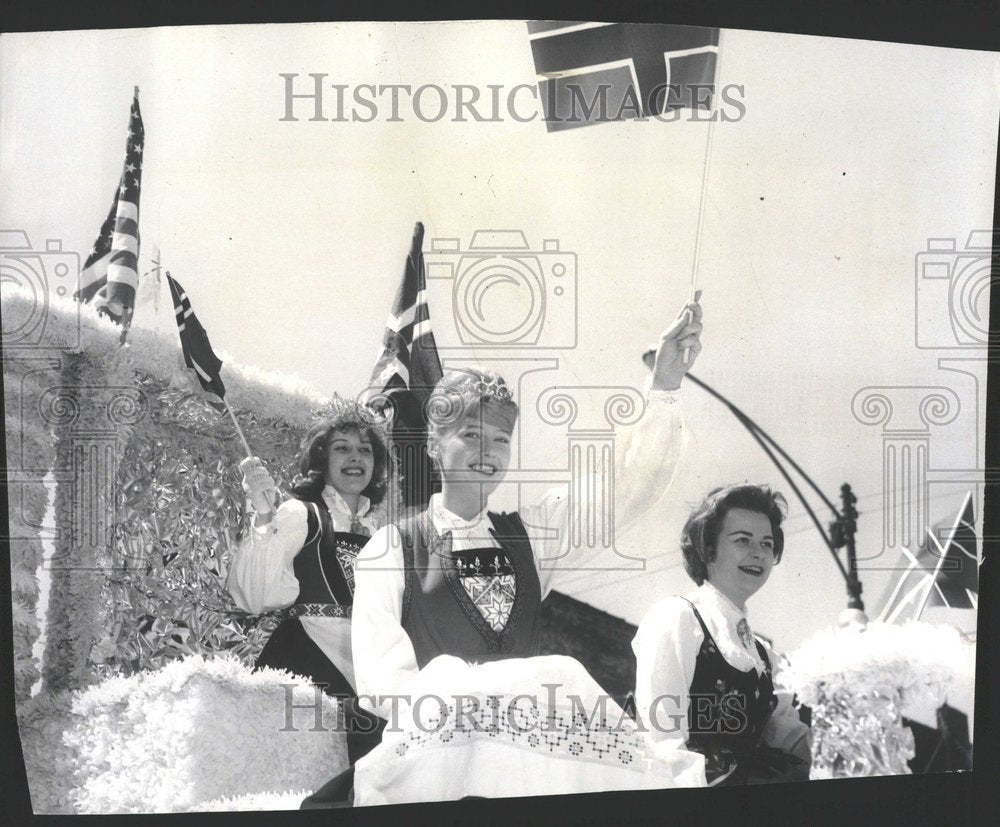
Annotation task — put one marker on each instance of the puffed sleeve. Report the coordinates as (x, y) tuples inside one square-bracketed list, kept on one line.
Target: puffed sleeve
[(261, 578), (666, 651), (646, 458), (384, 660)]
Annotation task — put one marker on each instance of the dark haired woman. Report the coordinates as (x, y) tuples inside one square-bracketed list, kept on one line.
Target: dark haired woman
[(303, 555), (702, 679)]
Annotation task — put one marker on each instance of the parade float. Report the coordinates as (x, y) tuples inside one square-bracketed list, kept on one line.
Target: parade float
[(125, 508), (125, 498)]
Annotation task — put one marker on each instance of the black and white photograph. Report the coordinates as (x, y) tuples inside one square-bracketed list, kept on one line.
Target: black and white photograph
[(415, 412)]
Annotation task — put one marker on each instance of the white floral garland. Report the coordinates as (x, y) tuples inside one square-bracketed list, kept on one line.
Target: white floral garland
[(859, 683), (30, 453), (198, 733)]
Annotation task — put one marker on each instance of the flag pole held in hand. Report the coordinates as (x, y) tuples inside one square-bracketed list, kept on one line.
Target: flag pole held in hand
[(695, 297), (239, 430)]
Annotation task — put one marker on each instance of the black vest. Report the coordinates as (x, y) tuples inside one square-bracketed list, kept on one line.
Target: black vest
[(439, 616), (727, 710), (325, 566)]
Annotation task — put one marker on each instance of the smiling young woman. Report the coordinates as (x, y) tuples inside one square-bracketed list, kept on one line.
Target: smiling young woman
[(702, 679), (302, 557), (444, 594)]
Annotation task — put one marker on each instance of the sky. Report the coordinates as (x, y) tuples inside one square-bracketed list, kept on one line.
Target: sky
[(289, 238)]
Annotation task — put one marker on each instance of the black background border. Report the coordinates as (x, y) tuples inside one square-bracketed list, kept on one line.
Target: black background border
[(956, 798)]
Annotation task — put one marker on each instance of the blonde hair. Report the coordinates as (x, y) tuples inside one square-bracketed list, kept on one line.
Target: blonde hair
[(461, 393)]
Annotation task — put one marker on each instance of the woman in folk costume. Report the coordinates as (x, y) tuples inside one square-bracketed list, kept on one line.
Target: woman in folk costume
[(302, 556), (445, 594), (702, 678)]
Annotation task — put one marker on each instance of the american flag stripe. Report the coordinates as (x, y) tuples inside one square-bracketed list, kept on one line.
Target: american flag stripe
[(127, 212), (126, 241), (94, 274), (93, 277)]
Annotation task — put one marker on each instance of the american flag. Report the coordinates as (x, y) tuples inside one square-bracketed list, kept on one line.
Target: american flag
[(944, 572), (599, 72), (198, 353), (406, 370), (110, 273)]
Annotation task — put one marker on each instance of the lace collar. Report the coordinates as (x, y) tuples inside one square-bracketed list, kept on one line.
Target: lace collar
[(445, 520), (728, 624), (340, 510)]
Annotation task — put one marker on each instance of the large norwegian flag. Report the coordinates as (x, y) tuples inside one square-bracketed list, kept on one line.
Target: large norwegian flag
[(944, 572), (598, 72), (406, 370), (110, 274)]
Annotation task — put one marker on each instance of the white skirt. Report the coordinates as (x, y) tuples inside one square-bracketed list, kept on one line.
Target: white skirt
[(517, 727)]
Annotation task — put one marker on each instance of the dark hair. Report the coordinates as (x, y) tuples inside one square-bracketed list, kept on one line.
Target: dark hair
[(701, 531), (314, 456)]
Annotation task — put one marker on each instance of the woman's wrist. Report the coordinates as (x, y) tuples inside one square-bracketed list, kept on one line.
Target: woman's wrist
[(665, 384), (662, 394)]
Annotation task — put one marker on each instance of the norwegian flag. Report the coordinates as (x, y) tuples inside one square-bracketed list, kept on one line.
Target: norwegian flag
[(406, 370), (598, 72), (110, 274), (944, 572), (198, 353)]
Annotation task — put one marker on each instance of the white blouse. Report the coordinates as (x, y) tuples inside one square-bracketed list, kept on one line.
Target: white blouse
[(262, 578), (666, 651), (384, 659)]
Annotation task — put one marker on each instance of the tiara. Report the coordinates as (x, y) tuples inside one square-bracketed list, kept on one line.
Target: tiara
[(496, 388), (339, 408)]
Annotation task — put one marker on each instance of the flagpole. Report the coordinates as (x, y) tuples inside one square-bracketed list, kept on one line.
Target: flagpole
[(126, 324), (944, 553), (704, 186), (239, 430)]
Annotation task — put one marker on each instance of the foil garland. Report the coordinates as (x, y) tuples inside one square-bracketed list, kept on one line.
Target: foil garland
[(182, 513), (859, 733)]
